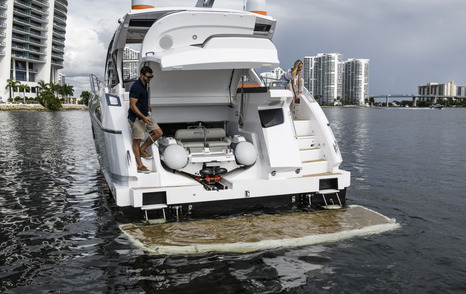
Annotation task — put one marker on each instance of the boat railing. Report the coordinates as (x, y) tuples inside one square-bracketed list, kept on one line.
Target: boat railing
[(279, 83), (96, 84), (274, 83), (307, 95)]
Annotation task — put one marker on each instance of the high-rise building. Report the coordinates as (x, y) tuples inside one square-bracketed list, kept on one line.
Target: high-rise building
[(130, 64), (332, 81), (32, 42), (61, 79), (327, 87), (356, 81), (308, 73)]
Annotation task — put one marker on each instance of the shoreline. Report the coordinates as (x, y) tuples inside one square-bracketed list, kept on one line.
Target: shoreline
[(38, 107)]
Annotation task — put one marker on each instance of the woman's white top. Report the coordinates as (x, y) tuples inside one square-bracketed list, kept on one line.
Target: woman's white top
[(288, 75)]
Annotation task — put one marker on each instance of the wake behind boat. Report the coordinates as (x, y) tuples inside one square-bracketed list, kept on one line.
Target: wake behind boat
[(227, 136)]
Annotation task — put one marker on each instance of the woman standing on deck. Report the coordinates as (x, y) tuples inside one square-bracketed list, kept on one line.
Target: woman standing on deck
[(293, 75)]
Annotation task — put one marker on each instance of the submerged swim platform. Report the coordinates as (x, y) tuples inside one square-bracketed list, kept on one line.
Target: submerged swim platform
[(254, 233)]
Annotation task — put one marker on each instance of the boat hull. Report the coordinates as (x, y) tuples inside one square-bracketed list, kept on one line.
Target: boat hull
[(223, 141)]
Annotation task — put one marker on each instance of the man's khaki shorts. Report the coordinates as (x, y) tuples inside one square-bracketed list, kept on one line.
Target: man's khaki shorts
[(139, 128)]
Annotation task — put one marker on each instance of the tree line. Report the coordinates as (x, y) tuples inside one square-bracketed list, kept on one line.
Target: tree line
[(47, 93)]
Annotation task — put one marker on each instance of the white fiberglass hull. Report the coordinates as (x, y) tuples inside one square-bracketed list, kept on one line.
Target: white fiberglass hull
[(163, 187), (227, 135)]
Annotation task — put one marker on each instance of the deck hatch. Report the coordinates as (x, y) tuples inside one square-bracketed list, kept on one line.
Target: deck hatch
[(154, 198)]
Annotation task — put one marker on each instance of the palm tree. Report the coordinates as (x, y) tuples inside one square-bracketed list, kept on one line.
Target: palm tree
[(68, 90), (24, 88), (61, 91), (54, 87), (13, 85), (43, 85)]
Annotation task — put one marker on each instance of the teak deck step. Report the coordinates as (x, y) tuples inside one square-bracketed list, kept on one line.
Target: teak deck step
[(311, 161), (321, 175)]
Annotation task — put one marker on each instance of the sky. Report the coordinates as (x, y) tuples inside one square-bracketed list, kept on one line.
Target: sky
[(408, 42)]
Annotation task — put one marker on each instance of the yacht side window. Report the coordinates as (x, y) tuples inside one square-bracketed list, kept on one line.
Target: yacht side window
[(112, 75), (271, 117)]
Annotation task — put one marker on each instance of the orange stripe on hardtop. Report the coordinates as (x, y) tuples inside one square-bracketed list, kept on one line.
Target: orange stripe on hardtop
[(142, 6), (260, 12)]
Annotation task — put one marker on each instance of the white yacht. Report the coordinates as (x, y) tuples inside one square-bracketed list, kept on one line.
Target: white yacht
[(229, 138)]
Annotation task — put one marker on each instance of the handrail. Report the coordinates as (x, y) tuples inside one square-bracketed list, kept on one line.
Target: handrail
[(96, 84)]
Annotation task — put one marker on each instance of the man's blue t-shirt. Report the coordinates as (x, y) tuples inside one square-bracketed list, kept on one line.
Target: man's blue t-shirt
[(139, 91)]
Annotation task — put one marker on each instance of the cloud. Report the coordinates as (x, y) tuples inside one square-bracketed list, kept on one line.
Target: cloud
[(408, 42), (90, 27)]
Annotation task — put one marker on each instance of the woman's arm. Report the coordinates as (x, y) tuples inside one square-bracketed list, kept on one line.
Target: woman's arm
[(293, 87)]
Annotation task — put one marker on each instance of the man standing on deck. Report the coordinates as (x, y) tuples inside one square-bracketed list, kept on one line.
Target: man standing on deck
[(140, 119)]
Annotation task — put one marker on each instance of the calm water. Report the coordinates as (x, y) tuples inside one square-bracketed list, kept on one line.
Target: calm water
[(58, 231)]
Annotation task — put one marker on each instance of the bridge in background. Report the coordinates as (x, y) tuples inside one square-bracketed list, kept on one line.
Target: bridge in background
[(415, 97)]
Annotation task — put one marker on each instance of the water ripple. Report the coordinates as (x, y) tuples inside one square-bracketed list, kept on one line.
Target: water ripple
[(59, 231)]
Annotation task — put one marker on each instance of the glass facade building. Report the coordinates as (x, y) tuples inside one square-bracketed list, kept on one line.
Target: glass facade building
[(130, 64), (356, 81), (32, 42), (333, 81), (322, 76)]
